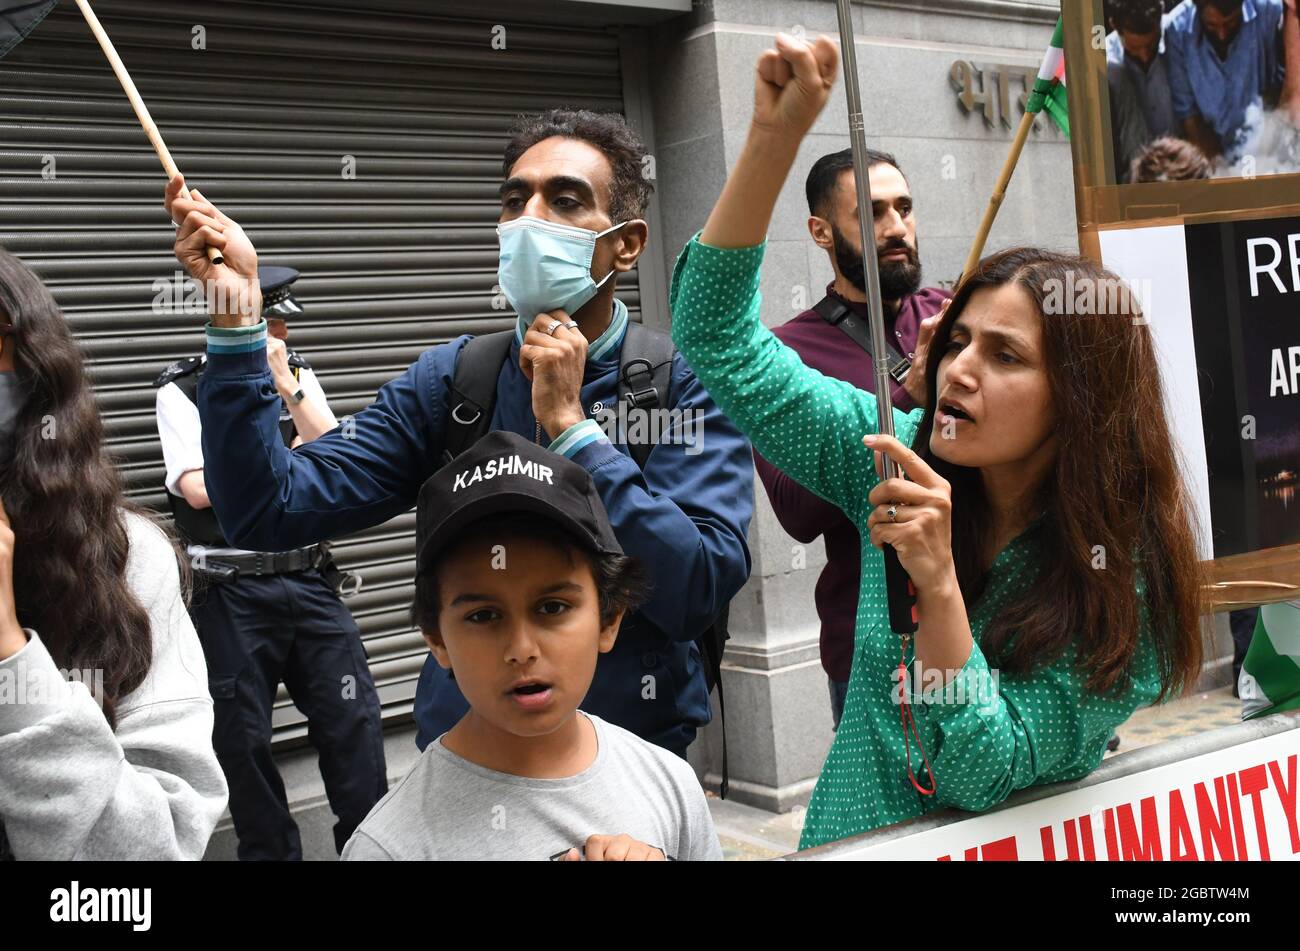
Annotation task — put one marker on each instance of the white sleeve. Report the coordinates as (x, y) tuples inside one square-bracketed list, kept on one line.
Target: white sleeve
[(312, 391), (71, 787), (181, 434)]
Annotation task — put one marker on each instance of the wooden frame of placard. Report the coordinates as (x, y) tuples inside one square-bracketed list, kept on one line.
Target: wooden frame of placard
[(1245, 580)]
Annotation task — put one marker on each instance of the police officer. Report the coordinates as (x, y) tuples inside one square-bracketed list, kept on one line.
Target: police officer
[(264, 617)]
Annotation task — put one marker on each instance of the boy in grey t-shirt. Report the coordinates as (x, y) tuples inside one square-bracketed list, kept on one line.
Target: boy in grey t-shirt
[(520, 586)]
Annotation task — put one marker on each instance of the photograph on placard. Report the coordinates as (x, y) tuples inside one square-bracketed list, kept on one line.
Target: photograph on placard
[(1244, 283), (1202, 89)]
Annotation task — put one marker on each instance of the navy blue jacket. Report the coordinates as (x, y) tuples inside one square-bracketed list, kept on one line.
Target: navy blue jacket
[(685, 517)]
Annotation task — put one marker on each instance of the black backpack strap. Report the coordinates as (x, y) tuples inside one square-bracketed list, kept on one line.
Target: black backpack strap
[(473, 393), (645, 376), (712, 645), (838, 314), (725, 786)]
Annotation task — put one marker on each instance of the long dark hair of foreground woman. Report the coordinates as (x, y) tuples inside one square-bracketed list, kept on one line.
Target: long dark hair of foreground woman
[(64, 498)]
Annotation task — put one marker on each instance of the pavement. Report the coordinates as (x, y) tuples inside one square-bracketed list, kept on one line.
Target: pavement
[(748, 834)]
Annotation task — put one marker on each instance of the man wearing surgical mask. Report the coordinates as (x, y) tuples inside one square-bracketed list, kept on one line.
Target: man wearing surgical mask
[(570, 223)]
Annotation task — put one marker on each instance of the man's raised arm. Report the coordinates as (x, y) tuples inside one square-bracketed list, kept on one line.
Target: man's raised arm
[(266, 497)]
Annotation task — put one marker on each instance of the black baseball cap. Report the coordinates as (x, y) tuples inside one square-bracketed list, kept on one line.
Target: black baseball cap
[(504, 472)]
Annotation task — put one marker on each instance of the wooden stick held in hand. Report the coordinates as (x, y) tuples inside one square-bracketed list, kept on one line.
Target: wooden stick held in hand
[(999, 195), (141, 110)]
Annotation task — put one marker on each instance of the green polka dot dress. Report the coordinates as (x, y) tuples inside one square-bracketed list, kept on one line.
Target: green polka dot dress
[(986, 734)]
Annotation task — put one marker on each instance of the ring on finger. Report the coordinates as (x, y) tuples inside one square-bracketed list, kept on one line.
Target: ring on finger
[(555, 325), (571, 325), (892, 512)]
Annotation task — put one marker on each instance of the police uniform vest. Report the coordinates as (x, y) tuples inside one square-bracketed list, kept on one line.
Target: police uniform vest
[(200, 525)]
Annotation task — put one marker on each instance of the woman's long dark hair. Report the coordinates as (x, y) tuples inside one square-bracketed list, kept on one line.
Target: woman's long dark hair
[(1115, 483), (65, 501)]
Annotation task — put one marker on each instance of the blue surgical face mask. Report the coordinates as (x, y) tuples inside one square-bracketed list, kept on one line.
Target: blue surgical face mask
[(547, 266), (13, 397)]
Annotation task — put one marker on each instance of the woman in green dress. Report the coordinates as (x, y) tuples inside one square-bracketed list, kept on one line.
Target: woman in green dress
[(1043, 520)]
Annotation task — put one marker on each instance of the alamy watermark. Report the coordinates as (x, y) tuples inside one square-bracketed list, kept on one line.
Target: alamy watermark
[(76, 903), (1088, 295), (181, 294), (938, 686), (630, 426), (22, 684)]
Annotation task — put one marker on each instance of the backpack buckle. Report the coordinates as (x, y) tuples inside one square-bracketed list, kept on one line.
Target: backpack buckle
[(640, 396), (455, 414)]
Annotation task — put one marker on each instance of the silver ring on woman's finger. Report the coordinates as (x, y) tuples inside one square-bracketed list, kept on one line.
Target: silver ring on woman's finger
[(571, 325), (892, 512), (555, 325)]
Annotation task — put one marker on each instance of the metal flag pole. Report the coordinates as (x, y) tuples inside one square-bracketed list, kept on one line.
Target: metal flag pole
[(902, 593)]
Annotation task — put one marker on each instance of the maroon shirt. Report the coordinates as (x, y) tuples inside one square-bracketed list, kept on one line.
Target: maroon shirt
[(804, 515)]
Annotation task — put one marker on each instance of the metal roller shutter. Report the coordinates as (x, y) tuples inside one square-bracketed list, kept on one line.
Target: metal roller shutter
[(399, 258)]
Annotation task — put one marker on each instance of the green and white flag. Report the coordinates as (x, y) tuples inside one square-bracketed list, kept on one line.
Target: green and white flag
[(1270, 674), (1049, 90)]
